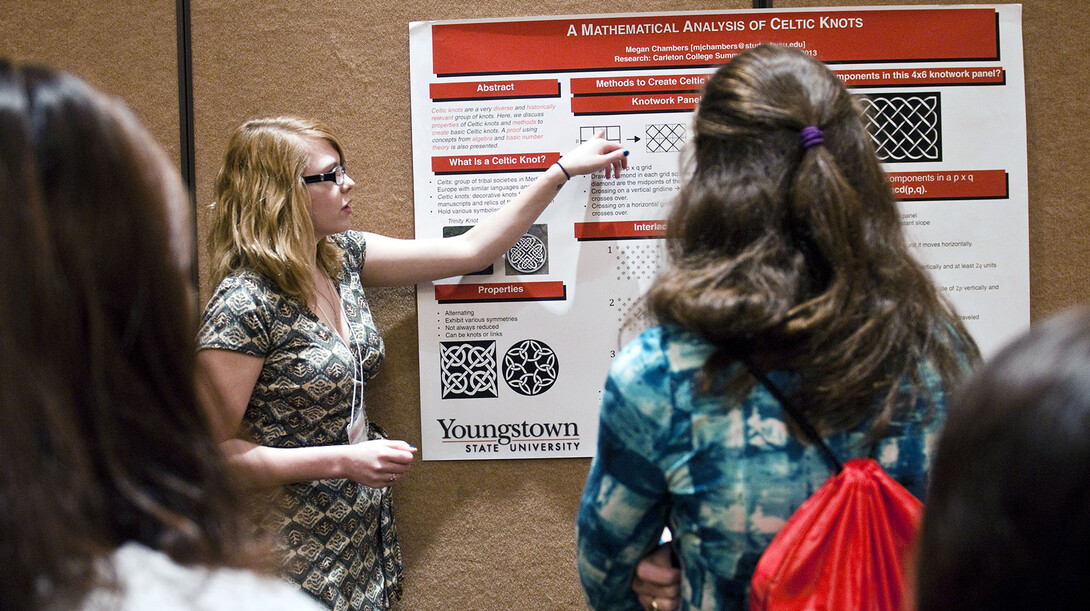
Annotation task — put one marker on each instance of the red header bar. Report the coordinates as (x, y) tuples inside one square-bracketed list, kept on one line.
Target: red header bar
[(710, 39), (617, 104), (620, 230), (958, 184), (481, 90), (674, 83), (511, 162), (500, 292), (923, 77), (878, 77)]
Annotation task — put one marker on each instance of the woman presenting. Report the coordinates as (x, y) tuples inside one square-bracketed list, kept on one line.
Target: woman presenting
[(288, 341)]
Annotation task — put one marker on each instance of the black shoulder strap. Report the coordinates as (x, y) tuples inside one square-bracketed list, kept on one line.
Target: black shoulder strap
[(800, 420)]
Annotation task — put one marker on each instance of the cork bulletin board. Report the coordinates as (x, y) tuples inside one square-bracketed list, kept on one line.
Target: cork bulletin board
[(481, 534)]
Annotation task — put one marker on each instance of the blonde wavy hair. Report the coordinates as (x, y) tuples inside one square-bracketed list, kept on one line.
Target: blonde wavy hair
[(261, 211)]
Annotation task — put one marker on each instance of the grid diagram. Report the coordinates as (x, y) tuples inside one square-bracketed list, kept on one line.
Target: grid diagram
[(613, 132), (639, 260)]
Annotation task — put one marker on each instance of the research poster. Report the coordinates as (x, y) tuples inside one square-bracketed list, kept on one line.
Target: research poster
[(513, 356)]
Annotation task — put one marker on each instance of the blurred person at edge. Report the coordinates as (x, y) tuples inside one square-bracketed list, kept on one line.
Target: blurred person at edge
[(1007, 522), (112, 492)]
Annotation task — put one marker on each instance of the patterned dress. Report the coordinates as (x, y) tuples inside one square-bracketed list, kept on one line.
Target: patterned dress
[(724, 478), (337, 536)]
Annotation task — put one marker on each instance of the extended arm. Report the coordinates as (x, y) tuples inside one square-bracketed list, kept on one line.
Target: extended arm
[(396, 262)]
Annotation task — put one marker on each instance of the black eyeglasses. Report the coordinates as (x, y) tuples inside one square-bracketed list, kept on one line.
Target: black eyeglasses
[(336, 175)]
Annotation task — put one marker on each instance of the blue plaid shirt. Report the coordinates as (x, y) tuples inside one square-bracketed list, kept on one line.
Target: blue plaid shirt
[(724, 478)]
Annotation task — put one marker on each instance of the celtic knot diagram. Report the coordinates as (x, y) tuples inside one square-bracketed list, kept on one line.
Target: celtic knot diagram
[(528, 254), (667, 138), (530, 367), (469, 370), (904, 127)]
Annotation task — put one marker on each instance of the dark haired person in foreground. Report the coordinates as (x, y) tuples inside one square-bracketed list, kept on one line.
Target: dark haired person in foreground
[(112, 490), (1007, 522)]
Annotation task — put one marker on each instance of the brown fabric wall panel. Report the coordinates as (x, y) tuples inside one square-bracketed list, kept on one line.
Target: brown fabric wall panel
[(126, 49), (489, 534), (1057, 46), (500, 534), (493, 533)]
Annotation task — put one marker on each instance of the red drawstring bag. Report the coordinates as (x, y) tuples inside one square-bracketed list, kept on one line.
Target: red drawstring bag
[(845, 548)]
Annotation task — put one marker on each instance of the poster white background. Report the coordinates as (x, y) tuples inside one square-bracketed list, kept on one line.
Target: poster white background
[(512, 361)]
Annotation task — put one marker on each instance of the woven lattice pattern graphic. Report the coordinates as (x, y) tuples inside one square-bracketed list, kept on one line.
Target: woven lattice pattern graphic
[(665, 138), (530, 367), (469, 370), (904, 127)]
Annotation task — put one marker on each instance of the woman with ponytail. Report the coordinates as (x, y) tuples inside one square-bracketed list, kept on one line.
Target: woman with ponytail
[(786, 251)]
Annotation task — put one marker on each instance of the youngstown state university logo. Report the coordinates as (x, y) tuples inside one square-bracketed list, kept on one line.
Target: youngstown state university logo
[(513, 437)]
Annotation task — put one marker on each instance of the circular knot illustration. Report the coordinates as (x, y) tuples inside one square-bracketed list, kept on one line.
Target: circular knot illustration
[(528, 254), (530, 367)]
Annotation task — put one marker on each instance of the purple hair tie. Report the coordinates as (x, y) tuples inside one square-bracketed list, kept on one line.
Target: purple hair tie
[(811, 136)]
